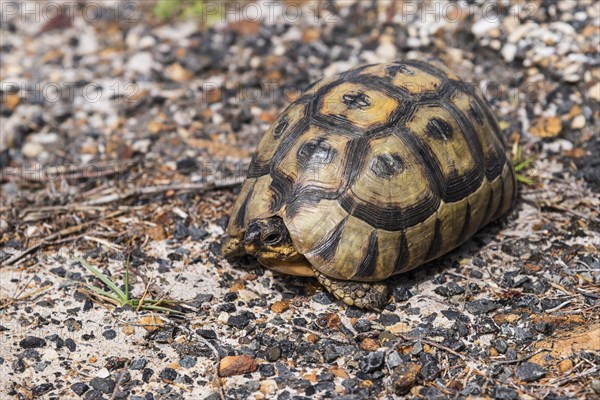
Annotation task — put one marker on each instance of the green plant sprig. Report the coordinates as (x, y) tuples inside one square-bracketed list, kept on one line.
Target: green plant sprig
[(121, 298)]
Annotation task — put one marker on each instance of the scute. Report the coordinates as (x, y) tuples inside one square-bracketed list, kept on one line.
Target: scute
[(380, 169)]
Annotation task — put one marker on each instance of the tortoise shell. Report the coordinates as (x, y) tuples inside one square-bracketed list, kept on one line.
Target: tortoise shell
[(380, 169)]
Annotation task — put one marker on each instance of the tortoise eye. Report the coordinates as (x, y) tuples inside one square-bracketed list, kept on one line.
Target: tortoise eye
[(272, 238)]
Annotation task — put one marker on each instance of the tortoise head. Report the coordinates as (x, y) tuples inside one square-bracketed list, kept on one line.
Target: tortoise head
[(269, 241)]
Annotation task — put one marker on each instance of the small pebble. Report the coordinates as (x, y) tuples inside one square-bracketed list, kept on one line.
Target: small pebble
[(32, 342), (237, 365), (530, 372), (79, 388)]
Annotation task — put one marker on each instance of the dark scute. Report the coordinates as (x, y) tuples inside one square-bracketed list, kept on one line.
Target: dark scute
[(390, 218), (327, 248), (387, 165), (241, 215), (465, 229), (402, 255), (369, 263), (439, 129), (356, 100), (475, 112), (281, 127), (315, 152), (394, 69), (436, 242)]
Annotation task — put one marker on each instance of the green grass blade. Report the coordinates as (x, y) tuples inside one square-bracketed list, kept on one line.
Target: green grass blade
[(163, 309), (105, 279), (127, 279), (526, 181)]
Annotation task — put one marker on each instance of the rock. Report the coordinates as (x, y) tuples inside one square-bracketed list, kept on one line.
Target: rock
[(546, 127), (241, 320), (237, 365), (138, 363), (595, 385), (393, 360), (372, 362), (484, 25), (481, 306), (323, 298), (273, 353), (268, 386), (32, 150), (578, 122), (387, 49), (150, 323), (79, 388), (104, 385), (362, 325), (109, 334), (530, 372), (404, 378), (168, 375), (509, 51), (187, 361), (32, 342), (504, 393), (565, 365), (594, 92), (369, 344), (70, 344), (388, 319), (42, 389), (140, 63), (103, 373), (280, 306)]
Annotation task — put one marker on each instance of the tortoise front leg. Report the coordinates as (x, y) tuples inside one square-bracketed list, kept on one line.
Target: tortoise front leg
[(371, 295)]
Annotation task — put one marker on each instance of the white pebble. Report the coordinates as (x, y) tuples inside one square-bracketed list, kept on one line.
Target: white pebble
[(509, 51), (484, 25), (140, 63), (32, 150), (103, 373), (578, 122)]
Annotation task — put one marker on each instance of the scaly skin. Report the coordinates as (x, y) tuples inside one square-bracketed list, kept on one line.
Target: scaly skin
[(370, 295)]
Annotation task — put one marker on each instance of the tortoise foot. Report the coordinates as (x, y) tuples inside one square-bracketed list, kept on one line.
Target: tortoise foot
[(370, 295)]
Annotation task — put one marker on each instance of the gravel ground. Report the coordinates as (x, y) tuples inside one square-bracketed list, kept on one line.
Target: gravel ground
[(124, 138)]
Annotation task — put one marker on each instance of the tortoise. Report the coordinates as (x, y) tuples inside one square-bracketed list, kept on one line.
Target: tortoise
[(369, 174)]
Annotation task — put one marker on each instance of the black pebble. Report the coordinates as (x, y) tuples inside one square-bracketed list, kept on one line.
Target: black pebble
[(187, 165), (42, 389), (138, 363), (207, 333), (147, 374), (168, 375), (372, 362), (79, 388), (530, 372), (266, 370), (109, 334), (389, 319), (504, 393), (273, 353), (94, 394), (323, 298), (362, 325), (105, 385), (481, 306), (241, 320), (70, 344), (32, 342)]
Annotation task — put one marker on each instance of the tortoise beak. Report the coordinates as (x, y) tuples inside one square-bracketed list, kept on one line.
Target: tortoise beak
[(253, 233), (232, 247)]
